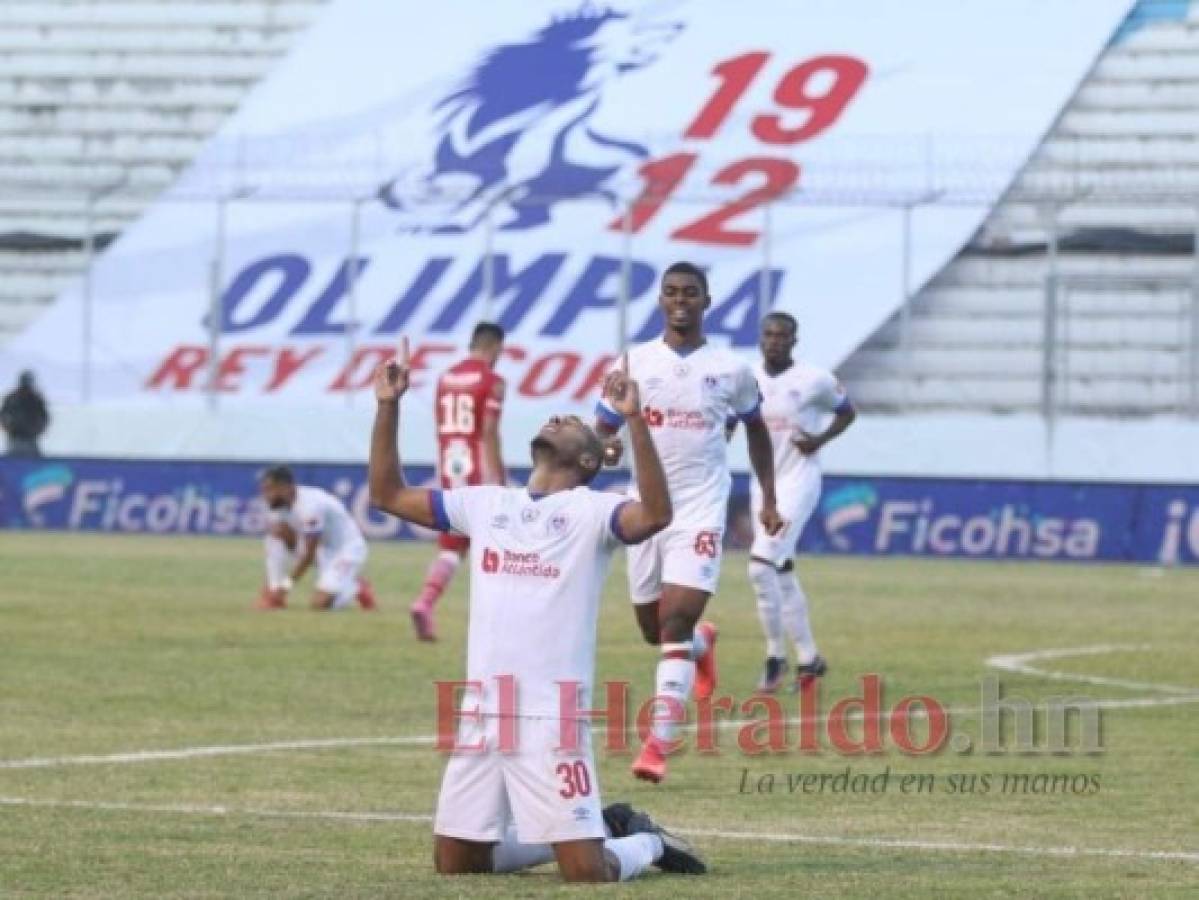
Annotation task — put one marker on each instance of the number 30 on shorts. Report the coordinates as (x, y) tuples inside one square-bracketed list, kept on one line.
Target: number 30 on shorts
[(706, 543), (576, 780)]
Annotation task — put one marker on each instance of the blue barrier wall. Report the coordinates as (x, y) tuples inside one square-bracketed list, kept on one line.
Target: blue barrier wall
[(972, 518)]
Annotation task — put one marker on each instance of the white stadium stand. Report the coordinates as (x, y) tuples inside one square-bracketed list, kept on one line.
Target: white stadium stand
[(110, 99), (114, 98), (1120, 173)]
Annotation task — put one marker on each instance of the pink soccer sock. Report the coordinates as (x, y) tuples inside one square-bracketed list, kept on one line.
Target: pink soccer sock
[(440, 574)]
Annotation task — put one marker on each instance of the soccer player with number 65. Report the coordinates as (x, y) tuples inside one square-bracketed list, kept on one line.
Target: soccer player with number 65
[(689, 389)]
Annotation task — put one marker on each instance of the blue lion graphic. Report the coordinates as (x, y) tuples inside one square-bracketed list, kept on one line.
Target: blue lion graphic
[(515, 134)]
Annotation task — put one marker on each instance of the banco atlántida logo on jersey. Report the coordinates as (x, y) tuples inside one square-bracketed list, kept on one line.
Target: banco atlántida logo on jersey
[(512, 562), (516, 135)]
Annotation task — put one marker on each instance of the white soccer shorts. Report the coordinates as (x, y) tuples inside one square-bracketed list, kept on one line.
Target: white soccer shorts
[(685, 556), (337, 572), (550, 795), (796, 503)]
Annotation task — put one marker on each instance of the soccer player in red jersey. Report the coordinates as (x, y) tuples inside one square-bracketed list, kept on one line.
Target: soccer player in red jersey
[(467, 406)]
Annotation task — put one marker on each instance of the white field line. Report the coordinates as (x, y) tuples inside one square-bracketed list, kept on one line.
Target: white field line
[(143, 756), (720, 834), (1016, 662), (1019, 663)]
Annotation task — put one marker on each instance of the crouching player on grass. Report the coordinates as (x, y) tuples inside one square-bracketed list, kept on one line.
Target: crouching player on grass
[(538, 558), (309, 526)]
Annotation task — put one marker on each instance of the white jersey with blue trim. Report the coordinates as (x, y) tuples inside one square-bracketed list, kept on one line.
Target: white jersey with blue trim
[(800, 398), (537, 567), (686, 399)]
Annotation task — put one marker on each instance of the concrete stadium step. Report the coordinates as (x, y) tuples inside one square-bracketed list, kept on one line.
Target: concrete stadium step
[(1093, 361), (114, 148), (38, 284), (1118, 65), (80, 177), (1126, 180), (1029, 271), (86, 37), (1094, 213), (121, 65), (939, 330), (72, 225), (1015, 392), (173, 15), (1140, 96), (214, 91), (45, 120), (1086, 123), (1123, 396), (57, 205), (940, 362), (1147, 151)]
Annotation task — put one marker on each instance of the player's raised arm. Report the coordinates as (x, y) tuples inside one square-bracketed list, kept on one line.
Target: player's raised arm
[(386, 478), (653, 512)]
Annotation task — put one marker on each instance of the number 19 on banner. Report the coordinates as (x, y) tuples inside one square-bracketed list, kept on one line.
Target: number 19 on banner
[(818, 89)]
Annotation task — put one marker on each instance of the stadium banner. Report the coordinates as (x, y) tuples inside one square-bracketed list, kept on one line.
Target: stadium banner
[(408, 173), (867, 516)]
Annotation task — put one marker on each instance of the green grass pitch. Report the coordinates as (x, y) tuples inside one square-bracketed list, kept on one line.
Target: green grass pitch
[(115, 645)]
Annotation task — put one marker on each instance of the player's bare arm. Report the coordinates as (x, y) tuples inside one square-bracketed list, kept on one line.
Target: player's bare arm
[(810, 443), (643, 519), (308, 545), (388, 491), (761, 459)]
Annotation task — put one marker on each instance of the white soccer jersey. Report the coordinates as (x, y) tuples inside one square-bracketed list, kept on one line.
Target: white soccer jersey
[(799, 398), (321, 514), (686, 399), (537, 566)]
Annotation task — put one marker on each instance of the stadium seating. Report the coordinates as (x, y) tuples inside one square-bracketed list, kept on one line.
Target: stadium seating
[(1123, 159), (97, 94)]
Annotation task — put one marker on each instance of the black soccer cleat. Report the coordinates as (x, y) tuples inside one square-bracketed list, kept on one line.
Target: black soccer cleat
[(772, 675), (616, 819), (678, 856), (808, 672)]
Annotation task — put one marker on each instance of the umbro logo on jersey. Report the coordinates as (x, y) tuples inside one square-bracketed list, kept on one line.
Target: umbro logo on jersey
[(500, 522), (557, 523), (529, 514)]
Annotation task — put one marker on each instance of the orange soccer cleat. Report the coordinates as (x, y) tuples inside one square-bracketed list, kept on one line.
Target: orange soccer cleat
[(366, 595), (650, 764), (269, 599)]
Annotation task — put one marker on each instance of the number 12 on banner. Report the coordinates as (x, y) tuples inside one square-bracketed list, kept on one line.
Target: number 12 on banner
[(822, 87)]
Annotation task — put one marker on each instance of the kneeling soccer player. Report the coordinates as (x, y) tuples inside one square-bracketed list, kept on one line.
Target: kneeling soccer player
[(538, 556), (311, 526)]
